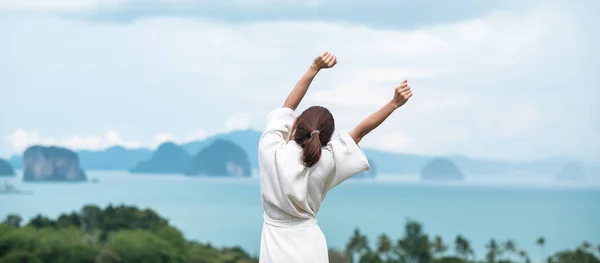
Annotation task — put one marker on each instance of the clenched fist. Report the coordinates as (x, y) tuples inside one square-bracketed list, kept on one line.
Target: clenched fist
[(325, 60), (401, 94)]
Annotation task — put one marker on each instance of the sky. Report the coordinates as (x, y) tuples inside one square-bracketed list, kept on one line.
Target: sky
[(510, 80)]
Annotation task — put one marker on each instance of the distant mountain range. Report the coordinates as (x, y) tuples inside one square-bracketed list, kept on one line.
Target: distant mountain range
[(119, 158)]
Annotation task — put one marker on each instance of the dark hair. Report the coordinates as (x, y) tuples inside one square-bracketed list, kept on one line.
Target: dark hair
[(314, 128)]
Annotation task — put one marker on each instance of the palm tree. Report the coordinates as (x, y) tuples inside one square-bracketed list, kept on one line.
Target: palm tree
[(462, 247), (384, 246), (541, 241), (414, 246), (493, 251), (586, 246), (438, 246), (523, 255), (510, 247), (358, 243)]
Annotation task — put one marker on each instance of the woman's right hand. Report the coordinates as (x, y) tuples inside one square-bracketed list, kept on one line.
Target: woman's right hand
[(401, 94)]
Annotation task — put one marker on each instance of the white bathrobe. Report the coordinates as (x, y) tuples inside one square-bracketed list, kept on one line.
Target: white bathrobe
[(292, 194)]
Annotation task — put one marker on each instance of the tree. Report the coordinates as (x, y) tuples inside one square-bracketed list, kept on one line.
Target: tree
[(142, 246), (358, 244), (541, 241), (235, 255), (370, 257), (586, 246), (107, 255), (510, 247), (204, 253), (523, 255), (450, 259), (462, 247), (129, 235), (414, 246), (19, 255), (384, 246), (17, 243), (41, 221), (493, 251), (89, 216), (68, 220), (13, 220), (438, 246), (46, 245), (577, 256), (336, 256), (65, 245), (133, 235)]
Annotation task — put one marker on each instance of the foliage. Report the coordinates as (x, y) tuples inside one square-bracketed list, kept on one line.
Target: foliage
[(114, 234), (415, 246), (126, 234), (577, 256)]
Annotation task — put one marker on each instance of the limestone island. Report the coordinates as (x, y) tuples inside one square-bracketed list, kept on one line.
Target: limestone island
[(6, 169), (53, 164), (441, 169), (169, 158), (220, 158)]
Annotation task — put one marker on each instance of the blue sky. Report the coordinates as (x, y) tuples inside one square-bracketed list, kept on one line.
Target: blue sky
[(509, 80)]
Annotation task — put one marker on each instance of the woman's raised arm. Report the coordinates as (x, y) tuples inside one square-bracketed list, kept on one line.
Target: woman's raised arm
[(325, 60), (401, 95)]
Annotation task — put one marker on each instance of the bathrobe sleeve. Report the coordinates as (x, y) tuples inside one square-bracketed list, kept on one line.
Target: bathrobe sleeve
[(348, 158), (278, 129)]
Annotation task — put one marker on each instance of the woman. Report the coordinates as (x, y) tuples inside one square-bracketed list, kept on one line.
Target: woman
[(299, 162)]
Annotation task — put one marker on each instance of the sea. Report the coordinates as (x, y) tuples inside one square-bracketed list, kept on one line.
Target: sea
[(228, 211)]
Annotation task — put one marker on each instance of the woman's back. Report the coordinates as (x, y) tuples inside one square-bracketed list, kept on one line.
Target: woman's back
[(292, 192), (289, 188)]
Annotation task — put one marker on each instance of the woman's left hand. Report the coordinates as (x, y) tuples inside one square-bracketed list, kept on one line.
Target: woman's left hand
[(325, 60)]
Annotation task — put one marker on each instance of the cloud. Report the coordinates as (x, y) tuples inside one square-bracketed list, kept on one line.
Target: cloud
[(20, 139), (196, 135), (374, 13), (57, 5), (393, 142), (516, 123), (473, 80), (237, 121), (113, 5), (368, 86), (161, 138)]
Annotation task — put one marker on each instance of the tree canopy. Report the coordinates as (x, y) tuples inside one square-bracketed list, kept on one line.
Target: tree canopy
[(127, 234)]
